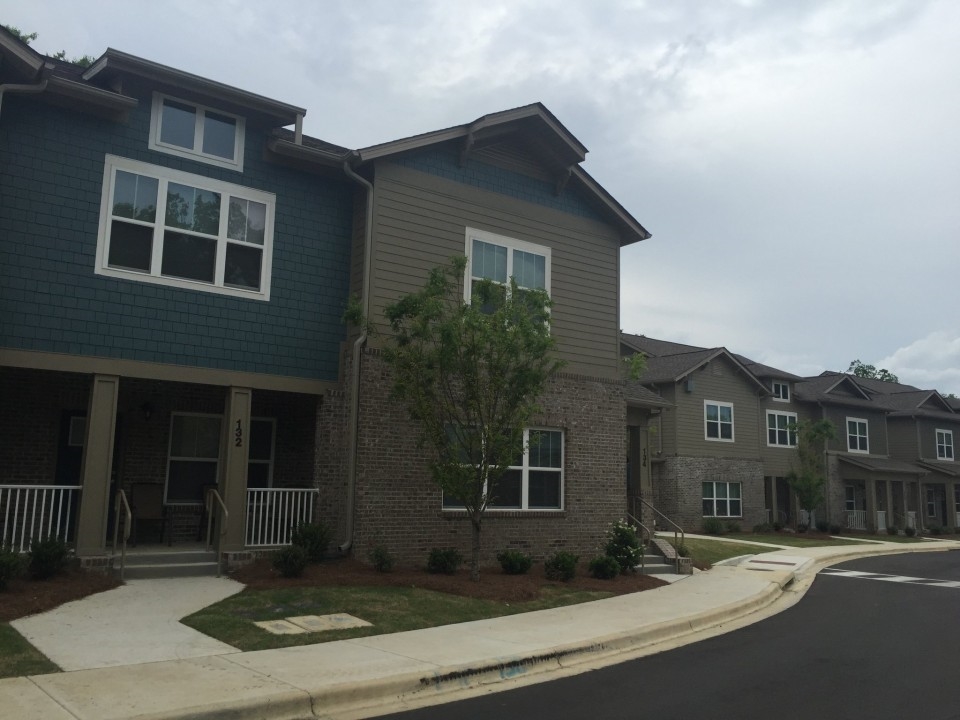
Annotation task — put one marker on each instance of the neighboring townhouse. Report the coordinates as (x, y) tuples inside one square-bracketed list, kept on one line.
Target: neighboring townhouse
[(705, 446), (175, 261)]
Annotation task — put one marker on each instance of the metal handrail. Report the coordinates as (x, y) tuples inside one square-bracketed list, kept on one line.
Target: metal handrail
[(214, 493), (676, 529), (128, 521)]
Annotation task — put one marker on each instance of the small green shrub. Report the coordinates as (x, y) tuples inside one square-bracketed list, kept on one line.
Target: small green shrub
[(47, 557), (891, 530), (909, 531), (623, 545), (713, 526), (823, 526), (604, 567), (313, 538), (682, 550), (562, 565), (802, 527), (11, 566), (762, 528), (514, 562), (732, 526), (291, 561), (935, 530), (444, 561), (777, 526), (836, 529), (381, 559)]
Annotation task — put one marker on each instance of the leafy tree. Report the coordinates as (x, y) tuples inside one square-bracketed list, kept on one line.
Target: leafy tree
[(27, 38), (861, 369), (808, 480), (470, 374)]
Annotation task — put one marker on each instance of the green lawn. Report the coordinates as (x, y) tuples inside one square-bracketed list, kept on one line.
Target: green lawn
[(710, 552), (797, 540), (390, 609), (18, 657)]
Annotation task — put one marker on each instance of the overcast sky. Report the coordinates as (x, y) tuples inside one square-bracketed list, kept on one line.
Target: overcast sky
[(797, 161)]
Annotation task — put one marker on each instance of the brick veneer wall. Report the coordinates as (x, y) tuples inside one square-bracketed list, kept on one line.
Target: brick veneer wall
[(398, 506), (678, 489), (330, 467)]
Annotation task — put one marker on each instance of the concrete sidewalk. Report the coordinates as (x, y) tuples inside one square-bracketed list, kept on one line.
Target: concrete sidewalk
[(364, 676)]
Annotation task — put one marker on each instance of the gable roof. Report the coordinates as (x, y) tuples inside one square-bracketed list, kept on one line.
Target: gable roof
[(766, 371), (639, 396), (652, 347), (822, 387)]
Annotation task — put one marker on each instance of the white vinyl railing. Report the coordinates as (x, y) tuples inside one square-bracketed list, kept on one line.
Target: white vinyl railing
[(912, 519), (857, 519), (36, 511), (273, 513), (881, 521)]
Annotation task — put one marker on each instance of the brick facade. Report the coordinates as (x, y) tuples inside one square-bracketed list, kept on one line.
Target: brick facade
[(678, 489), (399, 507)]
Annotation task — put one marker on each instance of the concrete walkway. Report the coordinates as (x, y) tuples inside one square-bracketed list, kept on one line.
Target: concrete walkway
[(364, 676)]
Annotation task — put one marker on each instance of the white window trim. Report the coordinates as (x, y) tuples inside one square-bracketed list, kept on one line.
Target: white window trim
[(727, 499), (77, 431), (509, 243), (273, 449), (164, 176), (525, 478), (733, 431), (786, 389), (849, 498), (947, 434), (791, 419), (171, 458), (866, 435), (195, 154)]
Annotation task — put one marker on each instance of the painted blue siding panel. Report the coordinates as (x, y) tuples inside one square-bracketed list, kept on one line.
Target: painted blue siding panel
[(51, 178)]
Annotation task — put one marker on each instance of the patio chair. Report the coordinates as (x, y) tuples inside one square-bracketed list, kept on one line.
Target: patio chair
[(147, 507)]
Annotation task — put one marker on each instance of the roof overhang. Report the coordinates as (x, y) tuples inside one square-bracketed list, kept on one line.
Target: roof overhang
[(25, 61), (883, 465), (940, 468)]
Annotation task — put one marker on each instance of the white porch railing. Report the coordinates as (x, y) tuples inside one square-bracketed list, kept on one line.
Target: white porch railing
[(273, 513), (881, 520), (956, 520), (36, 511), (857, 519), (912, 519)]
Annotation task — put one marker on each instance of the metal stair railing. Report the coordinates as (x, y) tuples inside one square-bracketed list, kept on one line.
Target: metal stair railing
[(224, 517), (679, 538), (122, 504)]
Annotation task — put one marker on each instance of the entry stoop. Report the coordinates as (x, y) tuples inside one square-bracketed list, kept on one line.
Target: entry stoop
[(660, 559), (168, 563)]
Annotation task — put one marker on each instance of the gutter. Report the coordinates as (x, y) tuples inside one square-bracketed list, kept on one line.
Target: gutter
[(23, 89), (357, 349)]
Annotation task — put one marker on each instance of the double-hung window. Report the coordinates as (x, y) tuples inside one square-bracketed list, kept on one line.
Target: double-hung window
[(174, 228), (718, 420), (198, 132), (944, 444), (781, 391), (260, 460), (781, 429), (722, 499), (194, 457), (857, 437), (534, 480), (498, 258)]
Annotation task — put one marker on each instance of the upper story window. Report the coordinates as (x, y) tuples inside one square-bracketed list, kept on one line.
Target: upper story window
[(498, 258), (781, 391), (781, 429), (197, 132), (172, 228), (944, 444), (857, 439), (718, 420)]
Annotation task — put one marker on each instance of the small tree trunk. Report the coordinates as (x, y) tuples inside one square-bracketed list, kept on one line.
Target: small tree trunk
[(475, 549)]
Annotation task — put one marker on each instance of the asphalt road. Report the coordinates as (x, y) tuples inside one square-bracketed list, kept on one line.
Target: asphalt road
[(853, 647)]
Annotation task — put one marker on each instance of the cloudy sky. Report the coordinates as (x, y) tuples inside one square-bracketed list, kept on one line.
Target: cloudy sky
[(798, 162)]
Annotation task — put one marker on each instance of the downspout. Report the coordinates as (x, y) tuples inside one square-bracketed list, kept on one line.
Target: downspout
[(357, 348), (26, 89)]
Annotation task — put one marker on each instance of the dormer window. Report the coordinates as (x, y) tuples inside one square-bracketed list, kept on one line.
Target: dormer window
[(196, 132), (781, 391)]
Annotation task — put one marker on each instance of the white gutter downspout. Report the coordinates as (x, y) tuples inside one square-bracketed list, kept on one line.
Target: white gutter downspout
[(23, 89), (357, 349)]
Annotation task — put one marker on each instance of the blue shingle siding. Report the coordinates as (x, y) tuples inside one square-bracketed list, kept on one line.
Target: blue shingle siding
[(51, 180), (443, 161)]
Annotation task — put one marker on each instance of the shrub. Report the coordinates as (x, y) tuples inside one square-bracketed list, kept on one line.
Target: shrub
[(891, 530), (935, 530), (682, 550), (777, 526), (444, 561), (836, 529), (762, 528), (713, 526), (909, 531), (733, 526), (562, 565), (47, 557), (823, 526), (802, 527), (381, 559), (514, 562), (604, 567), (313, 538), (291, 561), (623, 545), (11, 566)]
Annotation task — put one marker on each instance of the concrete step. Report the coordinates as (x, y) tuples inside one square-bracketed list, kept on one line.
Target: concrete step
[(657, 568), (168, 563)]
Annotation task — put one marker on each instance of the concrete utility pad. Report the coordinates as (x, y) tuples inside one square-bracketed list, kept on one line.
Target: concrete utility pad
[(776, 562), (279, 627), (322, 623)]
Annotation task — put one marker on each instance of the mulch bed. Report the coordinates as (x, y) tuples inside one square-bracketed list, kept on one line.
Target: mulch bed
[(27, 597), (493, 585)]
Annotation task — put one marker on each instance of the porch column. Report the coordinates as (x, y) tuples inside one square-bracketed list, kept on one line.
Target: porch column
[(951, 503), (921, 508), (97, 466), (903, 503), (891, 519), (774, 505), (871, 493), (233, 476)]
